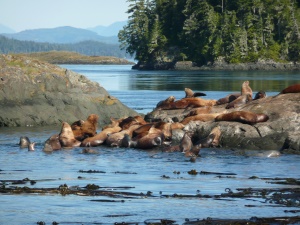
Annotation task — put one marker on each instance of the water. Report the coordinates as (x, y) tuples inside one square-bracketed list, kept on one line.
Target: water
[(164, 174)]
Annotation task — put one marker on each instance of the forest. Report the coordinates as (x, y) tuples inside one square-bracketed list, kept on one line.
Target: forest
[(90, 48), (205, 31)]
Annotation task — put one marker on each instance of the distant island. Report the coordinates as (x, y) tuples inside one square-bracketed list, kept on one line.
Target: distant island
[(65, 57)]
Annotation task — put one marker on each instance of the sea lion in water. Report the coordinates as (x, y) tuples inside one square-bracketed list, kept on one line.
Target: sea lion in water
[(52, 144), (243, 99), (31, 146), (295, 88), (24, 142), (189, 93), (246, 89), (66, 137), (243, 117), (228, 98), (186, 143)]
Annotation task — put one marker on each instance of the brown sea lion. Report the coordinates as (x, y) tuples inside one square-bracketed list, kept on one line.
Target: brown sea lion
[(186, 143), (243, 117), (165, 104), (192, 103), (89, 127), (24, 142), (228, 98), (115, 139), (200, 117), (66, 137), (99, 138), (246, 89), (243, 99), (190, 94), (295, 88), (177, 125), (212, 140), (143, 130), (154, 138), (52, 144), (200, 110), (259, 95), (131, 120)]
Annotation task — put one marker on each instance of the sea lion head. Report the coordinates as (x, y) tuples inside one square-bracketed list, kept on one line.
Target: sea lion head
[(24, 142)]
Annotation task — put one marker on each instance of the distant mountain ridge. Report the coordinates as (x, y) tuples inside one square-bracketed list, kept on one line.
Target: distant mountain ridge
[(6, 29), (62, 35), (111, 30)]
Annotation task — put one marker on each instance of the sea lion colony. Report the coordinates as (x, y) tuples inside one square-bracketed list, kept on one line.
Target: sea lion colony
[(136, 132)]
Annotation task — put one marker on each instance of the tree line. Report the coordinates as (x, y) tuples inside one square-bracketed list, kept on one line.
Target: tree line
[(91, 48), (205, 31)]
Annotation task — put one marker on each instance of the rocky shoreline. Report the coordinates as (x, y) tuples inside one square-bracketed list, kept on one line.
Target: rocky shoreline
[(263, 65), (34, 93)]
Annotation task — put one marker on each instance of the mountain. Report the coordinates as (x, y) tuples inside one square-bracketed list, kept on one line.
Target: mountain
[(5, 29), (92, 48), (63, 35), (111, 30)]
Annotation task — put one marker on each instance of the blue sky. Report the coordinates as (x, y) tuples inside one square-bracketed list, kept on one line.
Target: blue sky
[(31, 14)]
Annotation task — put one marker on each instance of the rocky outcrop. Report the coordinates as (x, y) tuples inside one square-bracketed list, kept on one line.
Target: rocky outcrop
[(280, 132), (36, 93)]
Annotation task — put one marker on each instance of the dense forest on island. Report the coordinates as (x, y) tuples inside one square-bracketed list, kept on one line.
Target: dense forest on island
[(205, 31), (89, 47)]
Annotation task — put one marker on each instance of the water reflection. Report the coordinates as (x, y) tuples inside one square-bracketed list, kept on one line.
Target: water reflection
[(123, 78)]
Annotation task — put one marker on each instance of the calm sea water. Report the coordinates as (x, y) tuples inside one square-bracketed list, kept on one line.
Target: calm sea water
[(142, 171)]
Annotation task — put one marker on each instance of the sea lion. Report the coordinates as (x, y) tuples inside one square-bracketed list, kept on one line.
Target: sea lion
[(66, 137), (177, 125), (24, 142), (154, 138), (228, 98), (187, 102), (243, 117), (200, 117), (212, 140), (190, 94), (186, 143), (52, 144), (295, 88), (77, 130), (89, 127), (246, 89), (115, 139), (200, 110), (31, 146), (165, 104), (243, 99), (143, 130), (259, 95), (131, 120), (99, 138)]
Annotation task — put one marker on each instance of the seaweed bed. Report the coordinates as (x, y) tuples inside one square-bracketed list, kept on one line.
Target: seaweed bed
[(272, 197)]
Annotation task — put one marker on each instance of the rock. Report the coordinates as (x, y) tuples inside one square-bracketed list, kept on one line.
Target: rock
[(36, 93), (280, 132)]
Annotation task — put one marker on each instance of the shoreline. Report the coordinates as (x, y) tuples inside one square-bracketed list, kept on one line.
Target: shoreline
[(261, 65)]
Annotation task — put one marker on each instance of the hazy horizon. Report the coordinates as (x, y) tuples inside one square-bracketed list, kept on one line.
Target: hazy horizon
[(22, 15)]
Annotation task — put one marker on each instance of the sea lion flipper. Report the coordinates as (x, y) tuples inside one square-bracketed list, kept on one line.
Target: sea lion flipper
[(199, 94)]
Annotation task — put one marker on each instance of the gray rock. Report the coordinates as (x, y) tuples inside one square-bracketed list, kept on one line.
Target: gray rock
[(36, 93)]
